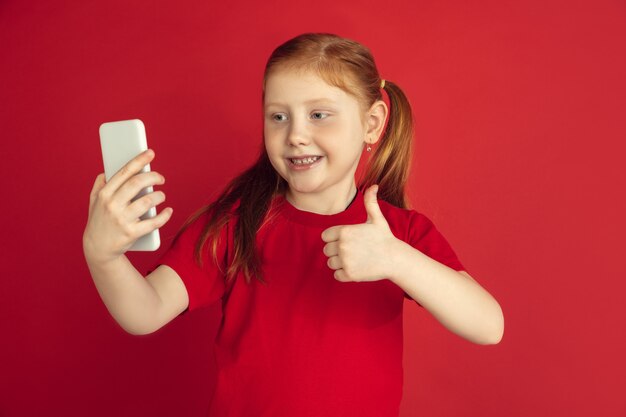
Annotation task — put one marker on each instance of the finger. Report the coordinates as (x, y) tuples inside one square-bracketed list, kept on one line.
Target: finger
[(340, 275), (140, 206), (331, 249), (131, 168), (334, 262), (331, 234), (144, 227), (374, 215), (97, 186), (137, 187)]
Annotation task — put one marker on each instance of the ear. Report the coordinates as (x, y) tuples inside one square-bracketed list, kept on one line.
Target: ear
[(376, 117)]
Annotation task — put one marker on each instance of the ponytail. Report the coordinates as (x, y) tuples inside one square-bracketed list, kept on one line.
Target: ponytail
[(390, 163)]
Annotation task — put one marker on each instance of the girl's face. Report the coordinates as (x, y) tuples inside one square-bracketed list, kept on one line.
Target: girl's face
[(306, 117)]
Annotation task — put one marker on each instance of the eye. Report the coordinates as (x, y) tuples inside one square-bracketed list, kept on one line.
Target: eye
[(277, 115), (320, 113)]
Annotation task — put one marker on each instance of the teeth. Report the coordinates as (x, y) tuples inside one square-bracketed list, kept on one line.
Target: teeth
[(305, 160)]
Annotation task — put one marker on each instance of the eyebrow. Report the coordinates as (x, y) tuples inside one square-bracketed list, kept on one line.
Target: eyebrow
[(312, 101)]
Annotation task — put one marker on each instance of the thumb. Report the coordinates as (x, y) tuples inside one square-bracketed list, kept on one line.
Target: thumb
[(374, 215)]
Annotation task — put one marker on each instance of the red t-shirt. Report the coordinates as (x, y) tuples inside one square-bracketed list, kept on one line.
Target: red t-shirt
[(305, 344)]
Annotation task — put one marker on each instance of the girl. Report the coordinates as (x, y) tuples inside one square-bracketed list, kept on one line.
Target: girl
[(311, 268)]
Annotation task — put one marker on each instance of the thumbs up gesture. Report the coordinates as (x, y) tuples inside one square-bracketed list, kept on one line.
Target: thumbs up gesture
[(360, 252)]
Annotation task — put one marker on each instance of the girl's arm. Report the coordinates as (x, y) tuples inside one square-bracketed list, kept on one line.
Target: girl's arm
[(139, 305), (454, 298), (370, 251)]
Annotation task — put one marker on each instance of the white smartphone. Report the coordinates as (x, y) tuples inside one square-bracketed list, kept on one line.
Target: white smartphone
[(121, 141)]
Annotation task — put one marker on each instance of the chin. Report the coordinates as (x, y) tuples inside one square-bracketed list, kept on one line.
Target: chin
[(304, 187)]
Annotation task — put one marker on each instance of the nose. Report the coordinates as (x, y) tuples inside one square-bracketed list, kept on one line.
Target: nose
[(298, 133)]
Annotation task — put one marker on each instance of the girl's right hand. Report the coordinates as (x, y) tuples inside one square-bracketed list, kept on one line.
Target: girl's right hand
[(113, 224)]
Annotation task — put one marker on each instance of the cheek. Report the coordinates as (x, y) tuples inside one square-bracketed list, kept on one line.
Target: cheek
[(335, 129), (272, 133), (275, 154), (270, 140), (343, 138)]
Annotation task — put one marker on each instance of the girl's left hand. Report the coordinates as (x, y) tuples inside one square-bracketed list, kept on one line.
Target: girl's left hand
[(361, 252)]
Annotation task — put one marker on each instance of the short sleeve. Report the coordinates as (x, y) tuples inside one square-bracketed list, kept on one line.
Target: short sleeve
[(204, 285), (424, 236)]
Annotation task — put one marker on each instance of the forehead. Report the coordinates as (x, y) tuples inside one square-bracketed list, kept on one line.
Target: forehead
[(288, 87)]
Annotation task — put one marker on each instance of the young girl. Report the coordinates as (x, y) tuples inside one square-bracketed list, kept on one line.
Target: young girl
[(311, 269)]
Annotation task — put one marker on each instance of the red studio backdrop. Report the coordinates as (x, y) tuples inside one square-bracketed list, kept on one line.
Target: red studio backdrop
[(518, 159)]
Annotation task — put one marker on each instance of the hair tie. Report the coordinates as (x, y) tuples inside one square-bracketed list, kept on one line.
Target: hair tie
[(382, 83)]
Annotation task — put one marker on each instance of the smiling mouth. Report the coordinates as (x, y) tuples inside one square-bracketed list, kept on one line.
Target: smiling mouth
[(305, 161)]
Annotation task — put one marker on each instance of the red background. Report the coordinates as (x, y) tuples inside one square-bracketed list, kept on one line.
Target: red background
[(520, 111)]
